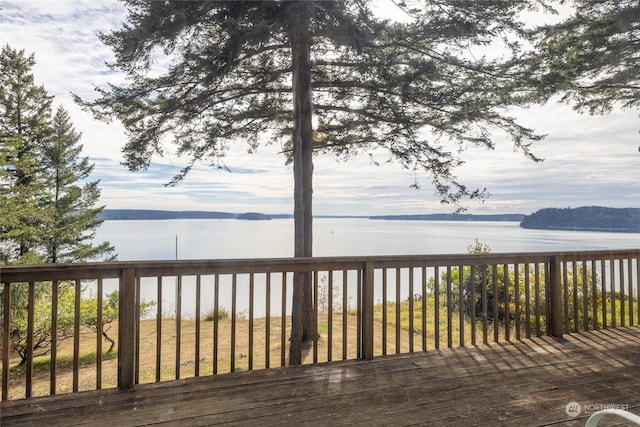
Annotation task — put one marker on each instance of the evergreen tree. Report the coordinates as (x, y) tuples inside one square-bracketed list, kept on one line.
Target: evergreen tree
[(47, 214), (321, 76), (74, 215), (592, 58), (25, 116)]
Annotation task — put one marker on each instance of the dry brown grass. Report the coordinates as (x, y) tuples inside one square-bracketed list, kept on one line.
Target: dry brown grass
[(244, 354), (247, 356)]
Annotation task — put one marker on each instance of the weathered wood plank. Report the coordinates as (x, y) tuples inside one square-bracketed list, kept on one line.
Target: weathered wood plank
[(521, 383)]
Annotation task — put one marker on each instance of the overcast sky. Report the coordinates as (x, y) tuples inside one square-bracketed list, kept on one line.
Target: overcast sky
[(588, 160)]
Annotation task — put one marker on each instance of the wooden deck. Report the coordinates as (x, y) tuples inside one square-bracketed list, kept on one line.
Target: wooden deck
[(523, 383)]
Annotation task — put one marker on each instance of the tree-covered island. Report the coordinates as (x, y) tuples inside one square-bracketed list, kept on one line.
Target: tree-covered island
[(586, 218)]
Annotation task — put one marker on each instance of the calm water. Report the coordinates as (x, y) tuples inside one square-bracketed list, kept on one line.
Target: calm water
[(225, 239), (228, 239)]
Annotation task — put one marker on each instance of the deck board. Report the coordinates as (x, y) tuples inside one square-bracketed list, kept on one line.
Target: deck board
[(524, 383)]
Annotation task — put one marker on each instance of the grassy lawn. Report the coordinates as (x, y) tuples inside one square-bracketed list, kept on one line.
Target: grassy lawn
[(258, 355)]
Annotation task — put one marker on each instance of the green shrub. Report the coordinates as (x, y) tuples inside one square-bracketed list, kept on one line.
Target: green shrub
[(223, 314)]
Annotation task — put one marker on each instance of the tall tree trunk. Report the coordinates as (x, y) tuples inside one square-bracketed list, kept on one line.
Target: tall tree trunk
[(302, 310)]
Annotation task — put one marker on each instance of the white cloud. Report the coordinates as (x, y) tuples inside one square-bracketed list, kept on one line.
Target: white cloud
[(588, 160)]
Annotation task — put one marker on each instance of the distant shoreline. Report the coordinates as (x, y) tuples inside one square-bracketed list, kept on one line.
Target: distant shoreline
[(158, 215), (451, 217), (589, 218)]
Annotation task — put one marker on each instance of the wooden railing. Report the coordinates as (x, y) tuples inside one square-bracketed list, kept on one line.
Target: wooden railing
[(193, 318)]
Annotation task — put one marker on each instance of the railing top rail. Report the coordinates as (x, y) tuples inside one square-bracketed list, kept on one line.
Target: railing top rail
[(96, 270)]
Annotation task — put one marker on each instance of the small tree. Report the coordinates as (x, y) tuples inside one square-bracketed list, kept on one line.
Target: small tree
[(72, 200), (110, 309), (483, 277), (42, 327)]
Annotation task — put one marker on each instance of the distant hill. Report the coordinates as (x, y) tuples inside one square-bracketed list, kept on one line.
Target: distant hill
[(146, 214), (452, 217), (586, 218)]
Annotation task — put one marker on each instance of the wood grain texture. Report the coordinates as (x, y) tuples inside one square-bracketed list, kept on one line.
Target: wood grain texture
[(519, 383)]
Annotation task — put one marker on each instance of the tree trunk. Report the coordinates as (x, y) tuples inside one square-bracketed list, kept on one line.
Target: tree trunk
[(111, 341), (302, 310)]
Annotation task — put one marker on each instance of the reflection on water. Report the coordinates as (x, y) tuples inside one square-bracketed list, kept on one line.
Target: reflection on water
[(231, 239), (227, 239)]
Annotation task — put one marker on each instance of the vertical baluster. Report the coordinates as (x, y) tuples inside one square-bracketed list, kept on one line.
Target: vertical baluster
[(316, 314), (54, 338), (216, 320), (423, 300), (485, 307), (622, 295), (496, 303), (267, 328), (449, 309), (576, 304), (638, 288), (398, 319), (159, 284), (612, 281), (603, 275), (384, 311), (536, 272), (436, 306), (30, 327), (594, 294), (345, 310), (565, 296), (630, 278), (99, 302), (472, 301), (76, 336), (411, 310), (461, 307), (6, 294), (330, 317), (507, 307), (527, 300), (283, 329), (136, 323), (196, 371), (178, 290), (585, 297), (516, 298), (234, 292), (359, 320), (251, 296)]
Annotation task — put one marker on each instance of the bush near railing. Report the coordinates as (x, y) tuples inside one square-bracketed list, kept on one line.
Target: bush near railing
[(363, 307)]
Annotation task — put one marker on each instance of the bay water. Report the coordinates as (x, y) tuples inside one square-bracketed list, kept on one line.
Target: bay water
[(239, 239), (231, 238)]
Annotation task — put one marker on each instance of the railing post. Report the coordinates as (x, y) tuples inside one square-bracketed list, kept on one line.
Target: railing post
[(554, 315), (127, 329), (367, 312), (301, 279)]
